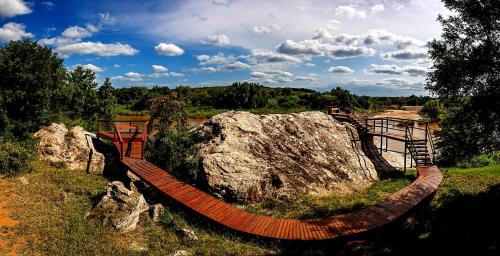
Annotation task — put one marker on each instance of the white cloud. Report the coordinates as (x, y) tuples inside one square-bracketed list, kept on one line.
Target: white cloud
[(166, 74), (13, 31), (318, 48), (396, 70), (92, 67), (203, 70), (159, 68), (350, 11), (106, 19), (117, 65), (217, 59), (226, 3), (129, 76), (340, 70), (168, 49), (264, 29), (218, 39), (306, 78), (272, 76), (96, 48), (377, 8), (311, 65), (11, 8), (405, 55), (268, 56), (48, 5), (79, 32), (236, 66)]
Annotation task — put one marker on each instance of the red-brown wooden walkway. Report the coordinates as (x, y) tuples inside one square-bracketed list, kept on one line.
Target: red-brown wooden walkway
[(370, 218)]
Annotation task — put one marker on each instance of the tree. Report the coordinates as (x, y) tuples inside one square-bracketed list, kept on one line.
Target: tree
[(107, 99), (466, 72), (32, 86)]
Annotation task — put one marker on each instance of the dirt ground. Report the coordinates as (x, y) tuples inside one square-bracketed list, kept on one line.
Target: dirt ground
[(9, 243)]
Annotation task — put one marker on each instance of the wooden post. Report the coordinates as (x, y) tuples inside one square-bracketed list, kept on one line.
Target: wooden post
[(404, 160), (381, 135), (386, 130)]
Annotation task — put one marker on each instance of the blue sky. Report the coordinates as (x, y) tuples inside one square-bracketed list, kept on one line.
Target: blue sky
[(371, 47)]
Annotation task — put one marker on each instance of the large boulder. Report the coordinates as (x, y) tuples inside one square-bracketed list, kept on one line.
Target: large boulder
[(73, 147), (121, 208), (250, 157)]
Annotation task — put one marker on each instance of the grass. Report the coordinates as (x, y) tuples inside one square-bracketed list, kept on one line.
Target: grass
[(51, 210), (304, 207), (461, 220)]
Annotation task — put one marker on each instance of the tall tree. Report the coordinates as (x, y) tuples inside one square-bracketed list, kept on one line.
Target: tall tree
[(84, 102), (107, 99), (466, 72), (32, 86)]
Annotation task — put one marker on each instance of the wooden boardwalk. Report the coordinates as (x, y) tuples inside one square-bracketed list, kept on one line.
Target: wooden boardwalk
[(390, 209)]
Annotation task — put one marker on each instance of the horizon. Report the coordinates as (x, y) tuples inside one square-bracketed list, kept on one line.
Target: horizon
[(372, 48)]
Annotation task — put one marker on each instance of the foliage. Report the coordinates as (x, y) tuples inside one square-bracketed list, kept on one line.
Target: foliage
[(240, 96), (107, 99), (36, 89), (433, 109), (173, 146), (480, 160), (466, 68), (32, 86), (15, 157)]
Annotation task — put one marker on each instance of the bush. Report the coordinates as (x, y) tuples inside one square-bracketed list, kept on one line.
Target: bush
[(481, 160), (15, 157)]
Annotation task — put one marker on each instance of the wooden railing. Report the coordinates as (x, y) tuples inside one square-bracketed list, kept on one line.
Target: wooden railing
[(124, 132)]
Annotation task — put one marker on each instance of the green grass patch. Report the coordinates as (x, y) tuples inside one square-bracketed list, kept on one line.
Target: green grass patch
[(304, 207), (492, 170)]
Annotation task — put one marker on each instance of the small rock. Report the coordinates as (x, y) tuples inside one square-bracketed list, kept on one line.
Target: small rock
[(132, 176), (156, 211), (120, 207), (181, 253), (189, 234), (23, 180), (137, 247)]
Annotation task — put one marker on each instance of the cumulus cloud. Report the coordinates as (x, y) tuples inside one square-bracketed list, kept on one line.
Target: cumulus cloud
[(236, 66), (264, 29), (218, 39), (166, 74), (217, 59), (400, 83), (318, 48), (92, 67), (396, 70), (269, 56), (311, 65), (79, 32), (226, 3), (377, 8), (350, 11), (168, 49), (405, 55), (96, 48), (340, 70), (13, 31), (272, 76), (11, 8), (129, 76), (307, 78), (159, 68), (203, 70), (106, 19)]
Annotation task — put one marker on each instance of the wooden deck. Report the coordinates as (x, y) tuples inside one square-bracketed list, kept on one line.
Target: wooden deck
[(370, 218)]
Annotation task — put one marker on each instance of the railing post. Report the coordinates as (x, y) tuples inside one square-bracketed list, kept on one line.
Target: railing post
[(381, 135), (386, 131), (404, 160)]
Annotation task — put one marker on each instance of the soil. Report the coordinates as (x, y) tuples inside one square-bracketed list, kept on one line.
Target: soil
[(9, 242)]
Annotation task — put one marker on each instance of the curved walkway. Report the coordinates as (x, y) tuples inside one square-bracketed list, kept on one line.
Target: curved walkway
[(372, 217), (391, 208)]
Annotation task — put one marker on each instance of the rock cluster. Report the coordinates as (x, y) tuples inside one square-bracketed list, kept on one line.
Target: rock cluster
[(73, 147), (250, 157)]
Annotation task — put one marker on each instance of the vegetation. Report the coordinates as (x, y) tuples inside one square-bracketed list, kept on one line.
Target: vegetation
[(465, 74), (304, 207), (36, 89), (14, 157)]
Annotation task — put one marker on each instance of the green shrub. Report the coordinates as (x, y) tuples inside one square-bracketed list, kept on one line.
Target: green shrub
[(15, 157), (481, 160)]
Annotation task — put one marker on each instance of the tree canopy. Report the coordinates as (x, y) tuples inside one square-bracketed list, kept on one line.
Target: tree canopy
[(466, 72)]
